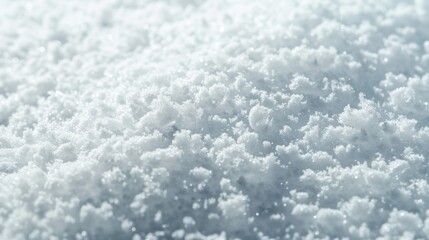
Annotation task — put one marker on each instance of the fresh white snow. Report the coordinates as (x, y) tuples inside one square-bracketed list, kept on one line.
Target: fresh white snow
[(214, 119)]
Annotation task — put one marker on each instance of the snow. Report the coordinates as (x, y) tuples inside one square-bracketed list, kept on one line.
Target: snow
[(204, 119)]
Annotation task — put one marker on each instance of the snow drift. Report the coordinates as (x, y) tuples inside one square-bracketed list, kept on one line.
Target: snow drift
[(181, 119)]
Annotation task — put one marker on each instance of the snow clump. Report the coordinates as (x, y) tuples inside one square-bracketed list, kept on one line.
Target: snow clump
[(214, 119)]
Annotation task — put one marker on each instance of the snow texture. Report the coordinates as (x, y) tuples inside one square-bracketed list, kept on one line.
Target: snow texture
[(217, 119)]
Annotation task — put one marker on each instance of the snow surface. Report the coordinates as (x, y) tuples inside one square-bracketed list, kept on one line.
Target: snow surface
[(217, 119)]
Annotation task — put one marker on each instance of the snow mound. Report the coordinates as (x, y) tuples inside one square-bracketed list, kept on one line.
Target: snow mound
[(217, 119)]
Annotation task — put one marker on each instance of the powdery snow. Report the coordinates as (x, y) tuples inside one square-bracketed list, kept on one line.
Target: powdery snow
[(215, 119)]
